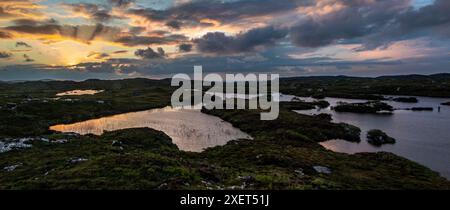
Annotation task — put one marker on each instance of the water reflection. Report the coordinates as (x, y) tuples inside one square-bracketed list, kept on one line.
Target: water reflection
[(423, 137), (79, 92), (190, 130)]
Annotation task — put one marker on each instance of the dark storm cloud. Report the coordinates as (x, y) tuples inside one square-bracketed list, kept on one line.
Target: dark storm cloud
[(373, 24), (357, 19), (192, 12), (10, 9), (83, 33), (174, 24), (23, 44), (31, 22), (27, 58), (431, 16), (32, 29), (102, 16), (230, 64), (39, 72), (4, 13), (120, 51), (87, 33), (266, 61), (97, 67), (431, 21), (139, 40), (93, 11), (5, 35), (136, 30), (98, 55), (219, 43), (149, 53), (5, 55), (121, 3), (150, 40), (185, 47), (160, 32), (161, 51)]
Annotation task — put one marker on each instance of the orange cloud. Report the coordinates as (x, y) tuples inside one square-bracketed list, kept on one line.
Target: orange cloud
[(12, 9)]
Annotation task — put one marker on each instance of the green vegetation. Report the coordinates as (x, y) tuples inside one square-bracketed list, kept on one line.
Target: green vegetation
[(367, 107), (322, 104), (146, 159), (378, 138), (437, 85), (289, 143), (352, 132), (36, 107), (284, 153), (318, 96)]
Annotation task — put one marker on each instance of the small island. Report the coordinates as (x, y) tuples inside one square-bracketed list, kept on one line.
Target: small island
[(322, 104), (406, 99), (422, 109), (367, 107), (318, 96), (377, 137), (446, 103), (352, 133)]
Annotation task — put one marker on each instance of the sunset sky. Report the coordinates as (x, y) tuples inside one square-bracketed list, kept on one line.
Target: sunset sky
[(80, 39)]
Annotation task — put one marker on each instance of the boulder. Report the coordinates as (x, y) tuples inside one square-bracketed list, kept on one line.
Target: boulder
[(322, 169), (378, 138)]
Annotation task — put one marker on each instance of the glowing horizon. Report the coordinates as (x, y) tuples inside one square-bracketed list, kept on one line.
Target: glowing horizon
[(134, 37)]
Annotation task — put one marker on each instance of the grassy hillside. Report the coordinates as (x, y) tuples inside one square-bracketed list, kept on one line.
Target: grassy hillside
[(284, 153), (437, 85)]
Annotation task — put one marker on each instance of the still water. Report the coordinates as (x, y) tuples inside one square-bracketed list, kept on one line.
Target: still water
[(79, 92), (190, 129), (422, 136)]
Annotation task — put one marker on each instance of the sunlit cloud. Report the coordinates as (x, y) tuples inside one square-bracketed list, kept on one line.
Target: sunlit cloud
[(129, 37), (11, 9)]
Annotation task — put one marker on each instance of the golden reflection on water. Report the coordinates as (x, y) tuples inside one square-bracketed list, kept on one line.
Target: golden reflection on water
[(79, 92), (190, 130)]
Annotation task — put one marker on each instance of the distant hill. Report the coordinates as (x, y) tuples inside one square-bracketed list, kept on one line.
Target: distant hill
[(436, 85)]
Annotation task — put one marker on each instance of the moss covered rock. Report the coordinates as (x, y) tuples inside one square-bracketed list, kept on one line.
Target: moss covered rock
[(378, 138), (367, 107)]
